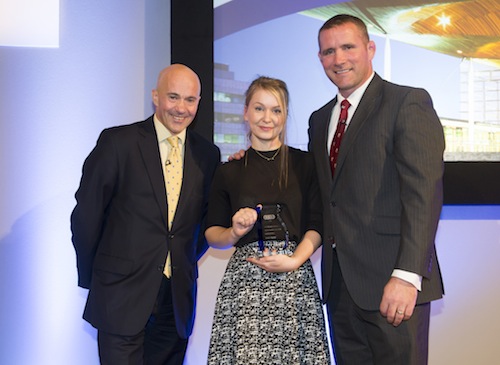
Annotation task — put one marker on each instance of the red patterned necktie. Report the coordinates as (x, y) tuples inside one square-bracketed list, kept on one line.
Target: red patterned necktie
[(339, 133)]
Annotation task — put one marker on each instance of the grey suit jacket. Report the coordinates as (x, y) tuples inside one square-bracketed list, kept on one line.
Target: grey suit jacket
[(120, 230), (382, 207)]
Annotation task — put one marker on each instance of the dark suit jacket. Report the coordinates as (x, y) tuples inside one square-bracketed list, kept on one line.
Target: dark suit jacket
[(120, 229), (383, 205)]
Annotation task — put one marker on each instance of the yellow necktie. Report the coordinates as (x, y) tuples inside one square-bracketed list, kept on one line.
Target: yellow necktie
[(173, 173)]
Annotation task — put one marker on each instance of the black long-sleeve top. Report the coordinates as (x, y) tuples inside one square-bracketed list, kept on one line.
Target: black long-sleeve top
[(253, 180)]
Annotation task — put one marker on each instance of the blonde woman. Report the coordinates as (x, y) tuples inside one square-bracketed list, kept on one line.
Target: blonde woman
[(267, 205)]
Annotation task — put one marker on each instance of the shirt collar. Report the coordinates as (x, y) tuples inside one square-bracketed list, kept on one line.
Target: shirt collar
[(357, 94), (163, 133)]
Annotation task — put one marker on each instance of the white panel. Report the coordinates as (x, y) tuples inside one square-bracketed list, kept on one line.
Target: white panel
[(29, 23), (218, 3)]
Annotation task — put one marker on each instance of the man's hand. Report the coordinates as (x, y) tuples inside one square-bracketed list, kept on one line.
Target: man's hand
[(237, 155), (398, 301)]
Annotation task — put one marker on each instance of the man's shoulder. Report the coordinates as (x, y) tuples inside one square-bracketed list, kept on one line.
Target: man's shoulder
[(394, 94), (399, 89), (202, 145), (327, 108), (130, 128), (198, 138)]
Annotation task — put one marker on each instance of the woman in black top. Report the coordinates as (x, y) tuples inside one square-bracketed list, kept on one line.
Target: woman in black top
[(267, 205)]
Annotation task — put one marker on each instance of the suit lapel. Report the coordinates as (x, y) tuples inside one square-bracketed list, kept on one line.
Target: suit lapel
[(148, 145), (368, 103), (322, 131), (190, 176)]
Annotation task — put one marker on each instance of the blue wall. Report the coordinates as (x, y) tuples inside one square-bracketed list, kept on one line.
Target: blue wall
[(53, 104)]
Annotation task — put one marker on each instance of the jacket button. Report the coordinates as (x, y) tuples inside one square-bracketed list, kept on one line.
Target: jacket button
[(333, 204), (160, 267), (171, 236)]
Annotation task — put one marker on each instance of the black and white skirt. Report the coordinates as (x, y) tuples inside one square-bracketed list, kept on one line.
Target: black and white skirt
[(268, 318)]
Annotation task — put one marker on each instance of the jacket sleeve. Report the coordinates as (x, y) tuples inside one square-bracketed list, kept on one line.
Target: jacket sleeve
[(93, 197), (418, 150), (211, 163)]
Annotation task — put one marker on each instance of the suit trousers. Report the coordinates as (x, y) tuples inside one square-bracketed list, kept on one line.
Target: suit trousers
[(157, 344), (364, 337)]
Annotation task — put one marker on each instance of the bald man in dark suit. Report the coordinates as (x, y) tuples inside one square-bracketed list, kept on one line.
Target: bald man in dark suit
[(382, 192), (142, 303)]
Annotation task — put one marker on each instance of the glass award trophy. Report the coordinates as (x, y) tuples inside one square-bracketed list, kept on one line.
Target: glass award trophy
[(270, 225)]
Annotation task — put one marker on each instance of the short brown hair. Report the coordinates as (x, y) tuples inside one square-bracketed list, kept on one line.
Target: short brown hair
[(341, 19)]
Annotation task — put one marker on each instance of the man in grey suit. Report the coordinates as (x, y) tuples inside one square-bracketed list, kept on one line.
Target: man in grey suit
[(142, 304), (382, 192)]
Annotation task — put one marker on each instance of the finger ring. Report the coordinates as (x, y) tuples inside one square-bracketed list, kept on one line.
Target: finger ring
[(400, 312)]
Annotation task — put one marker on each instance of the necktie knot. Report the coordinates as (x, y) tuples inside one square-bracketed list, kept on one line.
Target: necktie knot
[(174, 141), (344, 105), (174, 150)]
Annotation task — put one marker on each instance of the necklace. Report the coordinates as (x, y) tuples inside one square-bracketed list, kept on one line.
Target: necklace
[(268, 158)]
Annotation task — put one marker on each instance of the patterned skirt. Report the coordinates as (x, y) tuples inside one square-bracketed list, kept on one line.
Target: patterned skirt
[(268, 318)]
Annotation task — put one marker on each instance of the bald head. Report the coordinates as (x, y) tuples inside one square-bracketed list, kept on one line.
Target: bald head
[(178, 71)]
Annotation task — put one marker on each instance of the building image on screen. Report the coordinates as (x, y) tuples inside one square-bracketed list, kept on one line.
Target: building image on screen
[(451, 49)]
